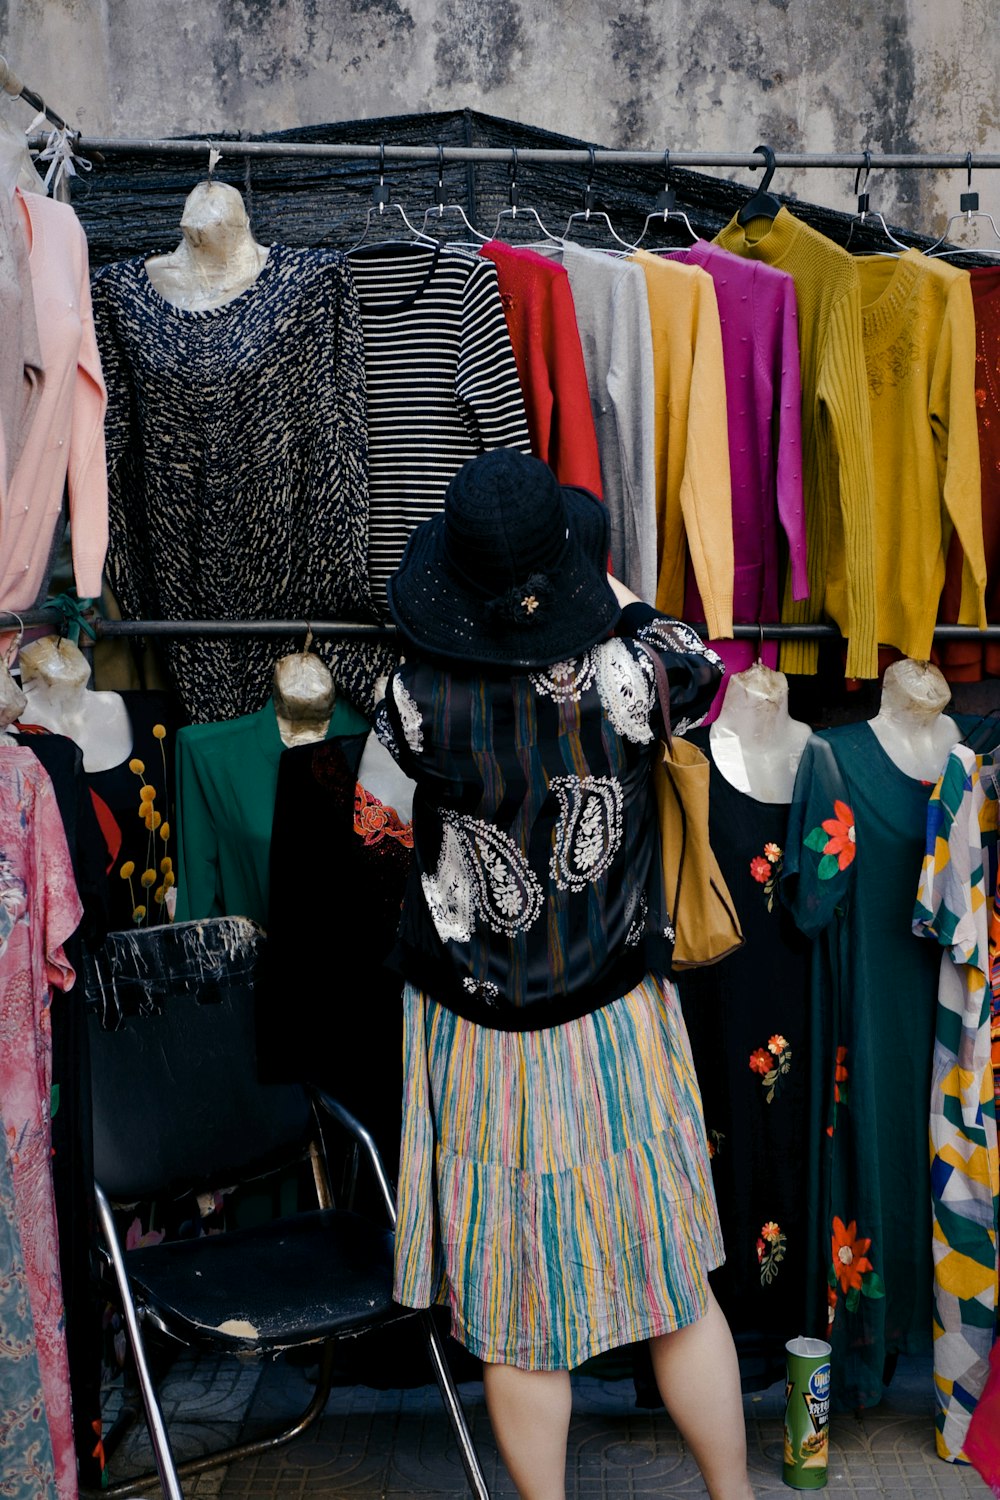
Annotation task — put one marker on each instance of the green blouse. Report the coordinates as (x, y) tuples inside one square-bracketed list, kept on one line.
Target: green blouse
[(227, 778)]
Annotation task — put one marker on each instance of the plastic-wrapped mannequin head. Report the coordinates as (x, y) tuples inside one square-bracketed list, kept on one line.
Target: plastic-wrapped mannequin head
[(212, 211), (54, 664), (303, 687), (915, 687), (12, 700)]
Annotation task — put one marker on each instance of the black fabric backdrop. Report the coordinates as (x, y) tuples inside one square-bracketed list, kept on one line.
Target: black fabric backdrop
[(130, 203)]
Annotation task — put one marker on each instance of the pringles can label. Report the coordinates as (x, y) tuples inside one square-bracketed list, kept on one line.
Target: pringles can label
[(807, 1414)]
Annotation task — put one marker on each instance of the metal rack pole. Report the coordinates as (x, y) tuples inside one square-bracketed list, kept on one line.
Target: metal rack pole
[(355, 630), (839, 161)]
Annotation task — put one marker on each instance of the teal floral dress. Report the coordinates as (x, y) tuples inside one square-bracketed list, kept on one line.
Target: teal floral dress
[(851, 869)]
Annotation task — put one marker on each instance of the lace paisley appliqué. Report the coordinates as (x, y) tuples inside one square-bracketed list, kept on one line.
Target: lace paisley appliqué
[(565, 681), (589, 831), (625, 685), (481, 876), (409, 717)]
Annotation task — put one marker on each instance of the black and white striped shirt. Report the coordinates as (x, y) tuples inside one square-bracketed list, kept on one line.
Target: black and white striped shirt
[(442, 385)]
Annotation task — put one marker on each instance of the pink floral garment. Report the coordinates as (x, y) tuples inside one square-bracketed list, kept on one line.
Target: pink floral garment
[(39, 909)]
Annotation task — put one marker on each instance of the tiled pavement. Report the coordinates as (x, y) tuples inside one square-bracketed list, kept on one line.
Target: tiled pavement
[(392, 1444)]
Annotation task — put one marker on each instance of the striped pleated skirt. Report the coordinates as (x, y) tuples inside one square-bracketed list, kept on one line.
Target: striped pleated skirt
[(554, 1186)]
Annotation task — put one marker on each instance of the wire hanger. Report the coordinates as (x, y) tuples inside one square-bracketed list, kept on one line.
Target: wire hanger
[(666, 208), (968, 210), (381, 202), (515, 208), (441, 207), (865, 213), (762, 204), (589, 214)]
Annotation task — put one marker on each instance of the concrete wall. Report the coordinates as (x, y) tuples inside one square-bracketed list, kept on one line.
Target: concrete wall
[(699, 74)]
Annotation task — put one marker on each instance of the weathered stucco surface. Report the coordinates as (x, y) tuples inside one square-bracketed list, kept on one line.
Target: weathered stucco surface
[(699, 74)]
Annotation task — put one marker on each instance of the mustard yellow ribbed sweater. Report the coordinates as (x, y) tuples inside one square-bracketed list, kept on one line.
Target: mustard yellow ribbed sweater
[(693, 491), (837, 472), (919, 335)]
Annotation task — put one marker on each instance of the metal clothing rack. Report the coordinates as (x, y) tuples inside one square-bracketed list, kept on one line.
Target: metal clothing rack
[(509, 157)]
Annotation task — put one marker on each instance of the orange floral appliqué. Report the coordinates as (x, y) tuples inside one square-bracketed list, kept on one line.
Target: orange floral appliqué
[(373, 821), (850, 1261), (841, 830)]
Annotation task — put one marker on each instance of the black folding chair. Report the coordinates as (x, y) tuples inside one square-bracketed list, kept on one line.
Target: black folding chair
[(177, 1107)]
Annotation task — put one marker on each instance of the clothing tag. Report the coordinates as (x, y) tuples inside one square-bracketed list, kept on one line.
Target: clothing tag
[(727, 752)]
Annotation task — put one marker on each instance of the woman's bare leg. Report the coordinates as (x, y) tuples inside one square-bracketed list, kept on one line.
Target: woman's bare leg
[(529, 1412), (698, 1377)]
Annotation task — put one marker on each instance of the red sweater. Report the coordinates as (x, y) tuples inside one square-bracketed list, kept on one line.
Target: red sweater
[(541, 320)]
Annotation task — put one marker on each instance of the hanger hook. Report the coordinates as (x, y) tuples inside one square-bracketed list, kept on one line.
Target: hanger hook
[(512, 169), (968, 169), (769, 165), (589, 196), (860, 187), (381, 163)]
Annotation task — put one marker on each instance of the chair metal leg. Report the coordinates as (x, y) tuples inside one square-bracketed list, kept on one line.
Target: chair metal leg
[(166, 1469), (456, 1412), (223, 1456)]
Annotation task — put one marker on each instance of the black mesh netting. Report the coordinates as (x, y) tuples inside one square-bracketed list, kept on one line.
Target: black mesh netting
[(130, 203)]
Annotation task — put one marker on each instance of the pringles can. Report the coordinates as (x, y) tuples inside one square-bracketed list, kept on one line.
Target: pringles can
[(807, 1414)]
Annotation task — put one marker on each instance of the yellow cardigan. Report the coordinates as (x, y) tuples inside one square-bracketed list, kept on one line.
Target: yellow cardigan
[(691, 435), (920, 351), (838, 482)]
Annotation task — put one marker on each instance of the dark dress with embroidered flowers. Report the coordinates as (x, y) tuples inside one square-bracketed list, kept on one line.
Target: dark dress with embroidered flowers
[(851, 869), (747, 1020)]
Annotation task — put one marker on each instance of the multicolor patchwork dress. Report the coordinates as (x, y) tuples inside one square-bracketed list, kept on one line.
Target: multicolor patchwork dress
[(953, 910), (852, 863)]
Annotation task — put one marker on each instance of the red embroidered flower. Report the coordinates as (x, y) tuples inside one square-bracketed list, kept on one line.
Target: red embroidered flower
[(761, 1061), (841, 831), (839, 1073), (760, 869), (776, 1043), (761, 1247), (850, 1261)]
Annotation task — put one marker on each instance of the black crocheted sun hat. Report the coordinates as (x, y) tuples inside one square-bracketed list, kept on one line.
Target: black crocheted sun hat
[(513, 573)]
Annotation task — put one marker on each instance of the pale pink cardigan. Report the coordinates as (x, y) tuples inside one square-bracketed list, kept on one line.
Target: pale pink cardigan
[(66, 437)]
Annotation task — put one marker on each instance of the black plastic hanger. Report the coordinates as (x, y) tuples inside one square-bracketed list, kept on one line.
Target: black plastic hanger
[(865, 213), (435, 215), (589, 214), (381, 195), (968, 210), (763, 205), (666, 208), (511, 213)]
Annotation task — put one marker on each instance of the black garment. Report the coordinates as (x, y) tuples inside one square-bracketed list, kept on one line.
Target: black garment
[(237, 464), (120, 788), (754, 1091), (328, 1011), (72, 1130), (537, 893)]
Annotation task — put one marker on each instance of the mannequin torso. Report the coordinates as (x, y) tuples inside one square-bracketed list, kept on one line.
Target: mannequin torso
[(217, 258), (755, 744), (304, 695), (910, 725), (55, 676)]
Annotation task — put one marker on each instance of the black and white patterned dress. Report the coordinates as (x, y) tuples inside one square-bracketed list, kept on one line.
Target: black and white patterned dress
[(237, 459)]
